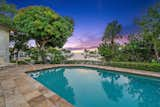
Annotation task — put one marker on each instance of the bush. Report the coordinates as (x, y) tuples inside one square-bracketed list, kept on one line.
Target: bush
[(131, 65), (106, 51), (55, 56), (33, 53), (136, 65), (138, 51)]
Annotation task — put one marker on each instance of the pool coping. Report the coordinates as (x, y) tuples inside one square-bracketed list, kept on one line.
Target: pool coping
[(114, 69), (19, 89)]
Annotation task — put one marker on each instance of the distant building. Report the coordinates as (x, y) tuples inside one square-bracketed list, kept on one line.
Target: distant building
[(4, 45), (80, 54)]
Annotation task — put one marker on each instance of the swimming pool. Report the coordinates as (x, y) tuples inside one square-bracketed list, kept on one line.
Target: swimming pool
[(93, 87)]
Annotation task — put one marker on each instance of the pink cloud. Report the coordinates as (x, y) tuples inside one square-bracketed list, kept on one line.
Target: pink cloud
[(83, 41), (88, 40)]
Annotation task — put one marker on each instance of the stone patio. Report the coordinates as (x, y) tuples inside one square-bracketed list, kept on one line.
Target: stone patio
[(17, 89)]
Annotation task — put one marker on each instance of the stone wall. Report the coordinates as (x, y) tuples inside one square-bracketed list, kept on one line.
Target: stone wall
[(4, 45)]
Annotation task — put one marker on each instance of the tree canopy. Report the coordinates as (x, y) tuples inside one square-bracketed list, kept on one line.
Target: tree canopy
[(112, 29), (142, 47), (150, 24), (44, 25), (7, 11)]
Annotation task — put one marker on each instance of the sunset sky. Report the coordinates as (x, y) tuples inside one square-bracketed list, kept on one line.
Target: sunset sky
[(92, 16)]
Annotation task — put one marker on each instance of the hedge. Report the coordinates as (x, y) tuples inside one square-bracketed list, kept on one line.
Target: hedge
[(136, 65), (131, 65)]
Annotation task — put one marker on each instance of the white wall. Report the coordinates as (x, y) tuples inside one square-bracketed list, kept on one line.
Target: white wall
[(4, 46)]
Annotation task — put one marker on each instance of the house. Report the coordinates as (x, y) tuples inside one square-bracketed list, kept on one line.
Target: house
[(4, 45)]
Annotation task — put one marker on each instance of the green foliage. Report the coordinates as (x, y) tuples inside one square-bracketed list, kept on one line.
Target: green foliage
[(111, 31), (55, 55), (150, 23), (52, 55), (135, 65), (19, 43), (83, 62), (19, 40), (153, 67), (106, 51), (138, 50), (144, 47), (45, 26), (7, 11), (33, 53), (62, 29)]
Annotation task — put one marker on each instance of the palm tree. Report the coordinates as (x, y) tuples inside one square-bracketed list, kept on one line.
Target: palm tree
[(111, 31)]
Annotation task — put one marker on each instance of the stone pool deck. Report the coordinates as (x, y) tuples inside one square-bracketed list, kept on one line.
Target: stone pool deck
[(17, 89)]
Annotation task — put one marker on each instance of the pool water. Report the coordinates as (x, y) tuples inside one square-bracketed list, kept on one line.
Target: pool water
[(91, 87)]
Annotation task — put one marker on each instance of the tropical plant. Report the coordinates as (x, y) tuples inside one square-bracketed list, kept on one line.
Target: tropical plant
[(111, 32), (108, 49)]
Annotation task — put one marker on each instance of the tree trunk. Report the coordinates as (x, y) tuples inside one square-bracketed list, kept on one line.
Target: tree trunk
[(42, 51), (156, 52), (11, 55), (17, 57), (112, 42)]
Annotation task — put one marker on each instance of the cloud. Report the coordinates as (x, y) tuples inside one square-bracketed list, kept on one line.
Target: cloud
[(85, 40)]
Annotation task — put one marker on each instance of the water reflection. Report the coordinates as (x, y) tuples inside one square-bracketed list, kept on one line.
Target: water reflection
[(85, 87), (148, 92), (55, 80), (144, 91), (113, 90)]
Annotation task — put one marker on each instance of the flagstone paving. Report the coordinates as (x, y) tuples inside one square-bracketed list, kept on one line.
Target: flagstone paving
[(17, 89)]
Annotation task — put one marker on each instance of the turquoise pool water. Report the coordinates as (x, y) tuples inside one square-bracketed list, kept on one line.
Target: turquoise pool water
[(90, 87)]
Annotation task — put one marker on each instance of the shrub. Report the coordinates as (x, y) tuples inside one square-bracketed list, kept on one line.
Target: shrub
[(106, 51), (55, 56), (136, 65), (155, 67), (33, 53)]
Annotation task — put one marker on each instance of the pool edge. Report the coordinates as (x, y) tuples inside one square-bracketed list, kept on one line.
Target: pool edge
[(32, 93), (114, 69)]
